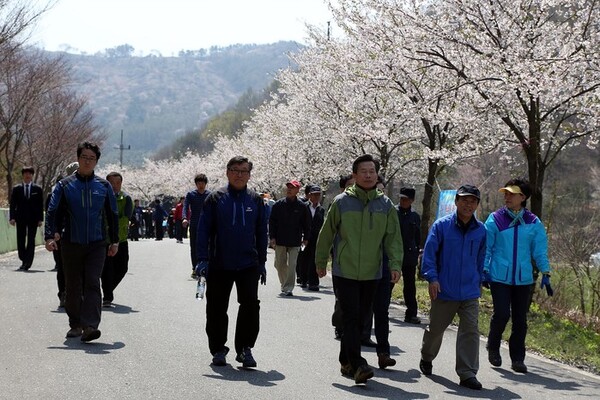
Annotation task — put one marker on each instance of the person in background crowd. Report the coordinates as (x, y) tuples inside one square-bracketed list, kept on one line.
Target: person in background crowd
[(232, 249), (136, 222), (158, 216), (515, 238), (308, 269), (178, 217), (27, 213), (410, 225), (115, 268), (357, 256), (192, 209), (82, 214), (453, 265), (289, 227)]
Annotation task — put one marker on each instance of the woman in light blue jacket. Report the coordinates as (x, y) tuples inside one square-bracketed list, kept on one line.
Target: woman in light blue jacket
[(516, 238)]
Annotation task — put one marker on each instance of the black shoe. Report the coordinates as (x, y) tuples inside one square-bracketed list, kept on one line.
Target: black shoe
[(471, 383), (246, 358), (90, 334), (107, 304), (426, 367), (363, 373), (519, 366), (313, 288), (61, 301), (219, 357), (384, 360), (347, 371), (74, 332), (303, 285), (413, 320), (494, 358), (368, 343)]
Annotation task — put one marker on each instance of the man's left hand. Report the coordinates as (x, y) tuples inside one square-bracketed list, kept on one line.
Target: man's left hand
[(112, 249), (395, 276)]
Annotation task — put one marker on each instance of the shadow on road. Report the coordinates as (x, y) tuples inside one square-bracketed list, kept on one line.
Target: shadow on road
[(377, 389), (539, 377), (89, 348), (455, 390), (252, 376)]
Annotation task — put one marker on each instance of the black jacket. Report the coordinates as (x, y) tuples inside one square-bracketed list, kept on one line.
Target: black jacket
[(289, 223), (27, 210), (410, 225)]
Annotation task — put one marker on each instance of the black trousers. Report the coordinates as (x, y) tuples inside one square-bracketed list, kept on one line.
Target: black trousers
[(218, 291), (381, 307), (160, 230), (409, 289), (355, 300), (193, 251), (308, 267), (60, 275), (82, 268), (26, 241), (115, 269)]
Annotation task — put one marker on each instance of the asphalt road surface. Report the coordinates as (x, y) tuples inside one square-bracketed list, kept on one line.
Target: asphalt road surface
[(153, 345)]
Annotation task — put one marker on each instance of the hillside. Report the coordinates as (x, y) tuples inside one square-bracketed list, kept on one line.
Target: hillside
[(156, 100)]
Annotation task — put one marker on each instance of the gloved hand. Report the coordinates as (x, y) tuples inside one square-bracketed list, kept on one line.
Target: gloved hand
[(486, 280), (202, 269), (546, 284), (262, 271)]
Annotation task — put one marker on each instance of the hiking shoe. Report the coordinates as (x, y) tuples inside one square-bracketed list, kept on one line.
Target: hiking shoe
[(347, 370), (494, 358), (519, 366), (219, 357), (245, 357), (426, 367), (90, 334), (384, 360), (471, 383), (363, 373), (74, 332)]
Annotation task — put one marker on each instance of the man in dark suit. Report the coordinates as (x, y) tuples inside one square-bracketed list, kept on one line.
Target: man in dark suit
[(308, 268), (27, 213)]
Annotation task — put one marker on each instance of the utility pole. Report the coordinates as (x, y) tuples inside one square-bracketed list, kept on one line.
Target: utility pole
[(121, 148)]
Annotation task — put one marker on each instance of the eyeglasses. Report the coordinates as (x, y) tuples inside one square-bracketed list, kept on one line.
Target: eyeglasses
[(242, 172), (88, 158)]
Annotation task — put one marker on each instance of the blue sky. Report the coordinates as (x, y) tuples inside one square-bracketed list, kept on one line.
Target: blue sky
[(168, 26)]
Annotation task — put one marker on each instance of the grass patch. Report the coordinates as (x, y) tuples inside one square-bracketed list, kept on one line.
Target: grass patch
[(550, 335)]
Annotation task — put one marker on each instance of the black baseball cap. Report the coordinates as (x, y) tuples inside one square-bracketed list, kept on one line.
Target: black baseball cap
[(468, 190), (407, 192)]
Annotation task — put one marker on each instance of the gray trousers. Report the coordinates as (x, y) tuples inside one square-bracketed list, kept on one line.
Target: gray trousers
[(467, 341)]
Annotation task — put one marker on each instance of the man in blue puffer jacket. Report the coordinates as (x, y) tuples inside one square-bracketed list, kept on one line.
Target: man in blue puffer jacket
[(453, 265), (83, 215), (232, 248)]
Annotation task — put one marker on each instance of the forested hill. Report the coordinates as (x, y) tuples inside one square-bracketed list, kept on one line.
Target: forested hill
[(155, 100)]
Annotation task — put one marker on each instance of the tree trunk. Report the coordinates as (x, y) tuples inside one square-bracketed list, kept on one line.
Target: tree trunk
[(428, 215)]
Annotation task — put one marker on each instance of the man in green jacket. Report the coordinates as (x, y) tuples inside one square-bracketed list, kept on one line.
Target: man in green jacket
[(361, 224)]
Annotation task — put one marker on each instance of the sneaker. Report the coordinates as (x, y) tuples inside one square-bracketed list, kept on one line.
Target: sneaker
[(426, 367), (471, 383), (219, 357), (90, 334), (347, 370), (384, 360), (245, 357), (74, 332), (363, 373), (194, 276), (519, 366), (494, 358), (107, 304)]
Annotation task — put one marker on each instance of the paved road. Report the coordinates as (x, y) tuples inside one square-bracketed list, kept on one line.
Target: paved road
[(153, 345)]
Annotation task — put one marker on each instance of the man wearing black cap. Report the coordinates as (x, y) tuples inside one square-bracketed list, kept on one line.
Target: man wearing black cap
[(27, 213), (308, 268), (410, 225), (453, 265)]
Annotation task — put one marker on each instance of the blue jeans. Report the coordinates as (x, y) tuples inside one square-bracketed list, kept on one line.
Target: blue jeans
[(509, 299)]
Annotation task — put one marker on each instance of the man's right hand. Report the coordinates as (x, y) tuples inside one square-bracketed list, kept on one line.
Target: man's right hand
[(201, 269), (272, 243), (434, 289), (12, 222), (185, 223)]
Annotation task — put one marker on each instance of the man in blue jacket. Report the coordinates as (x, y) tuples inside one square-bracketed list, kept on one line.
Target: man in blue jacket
[(232, 248), (82, 214), (453, 265)]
